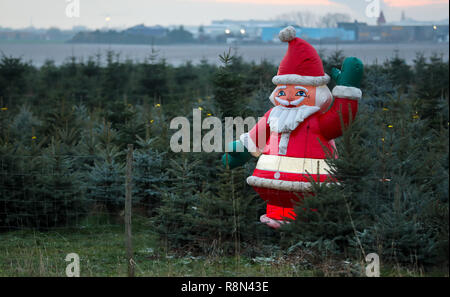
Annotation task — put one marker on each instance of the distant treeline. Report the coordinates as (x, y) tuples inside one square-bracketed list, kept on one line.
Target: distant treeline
[(175, 36)]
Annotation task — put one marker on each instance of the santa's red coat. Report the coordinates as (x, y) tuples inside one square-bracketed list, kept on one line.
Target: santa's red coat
[(281, 178)]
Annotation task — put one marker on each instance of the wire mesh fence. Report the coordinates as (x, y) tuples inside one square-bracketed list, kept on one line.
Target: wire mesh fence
[(54, 197), (74, 193), (51, 195), (37, 195)]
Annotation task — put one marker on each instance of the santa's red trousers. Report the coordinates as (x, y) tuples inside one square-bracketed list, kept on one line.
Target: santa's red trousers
[(280, 204)]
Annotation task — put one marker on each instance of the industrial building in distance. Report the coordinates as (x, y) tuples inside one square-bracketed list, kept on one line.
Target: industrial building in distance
[(405, 30), (250, 31)]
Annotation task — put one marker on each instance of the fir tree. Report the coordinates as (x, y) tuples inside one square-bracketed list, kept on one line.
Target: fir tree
[(228, 214), (22, 126), (152, 78), (105, 181), (228, 86), (12, 79), (431, 90), (174, 221), (115, 77), (149, 176), (399, 72)]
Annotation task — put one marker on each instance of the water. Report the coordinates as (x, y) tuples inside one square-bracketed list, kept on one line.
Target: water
[(38, 53)]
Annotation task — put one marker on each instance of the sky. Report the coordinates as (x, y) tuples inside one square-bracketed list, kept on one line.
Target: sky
[(126, 13)]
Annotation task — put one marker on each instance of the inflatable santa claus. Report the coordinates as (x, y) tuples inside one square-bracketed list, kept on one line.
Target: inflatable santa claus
[(293, 138)]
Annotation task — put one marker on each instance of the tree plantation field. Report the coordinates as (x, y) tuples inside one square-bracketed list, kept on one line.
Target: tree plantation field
[(64, 133)]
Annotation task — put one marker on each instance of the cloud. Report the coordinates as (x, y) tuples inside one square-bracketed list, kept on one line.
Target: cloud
[(409, 3), (47, 13), (417, 9), (276, 2)]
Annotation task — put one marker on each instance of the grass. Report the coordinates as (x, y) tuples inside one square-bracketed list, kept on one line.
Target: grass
[(102, 253)]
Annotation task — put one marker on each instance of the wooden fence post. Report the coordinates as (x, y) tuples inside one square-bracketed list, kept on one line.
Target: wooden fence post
[(128, 205)]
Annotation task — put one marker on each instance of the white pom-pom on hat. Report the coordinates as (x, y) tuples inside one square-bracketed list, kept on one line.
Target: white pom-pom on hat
[(287, 34)]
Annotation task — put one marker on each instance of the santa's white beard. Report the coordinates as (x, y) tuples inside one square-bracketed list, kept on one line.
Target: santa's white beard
[(283, 119)]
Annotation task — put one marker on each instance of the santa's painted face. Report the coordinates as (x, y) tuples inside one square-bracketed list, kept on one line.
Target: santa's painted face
[(294, 95)]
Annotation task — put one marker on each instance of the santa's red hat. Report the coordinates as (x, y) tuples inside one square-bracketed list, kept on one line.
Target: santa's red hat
[(301, 64)]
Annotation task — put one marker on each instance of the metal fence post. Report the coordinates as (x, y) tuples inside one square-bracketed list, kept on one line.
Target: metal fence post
[(128, 204)]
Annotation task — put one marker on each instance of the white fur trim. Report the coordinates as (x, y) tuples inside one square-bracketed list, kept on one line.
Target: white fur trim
[(292, 79), (287, 34), (347, 92), (247, 141), (323, 97), (283, 185), (272, 96)]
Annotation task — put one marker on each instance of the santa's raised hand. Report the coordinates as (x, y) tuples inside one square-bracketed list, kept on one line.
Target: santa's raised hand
[(351, 73)]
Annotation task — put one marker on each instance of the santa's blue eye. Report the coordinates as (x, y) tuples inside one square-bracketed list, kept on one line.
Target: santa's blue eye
[(301, 93), (281, 93)]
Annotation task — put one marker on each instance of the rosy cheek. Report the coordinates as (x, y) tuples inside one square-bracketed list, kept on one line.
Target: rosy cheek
[(308, 101)]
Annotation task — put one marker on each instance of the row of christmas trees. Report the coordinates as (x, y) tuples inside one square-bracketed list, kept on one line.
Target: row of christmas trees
[(64, 131)]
